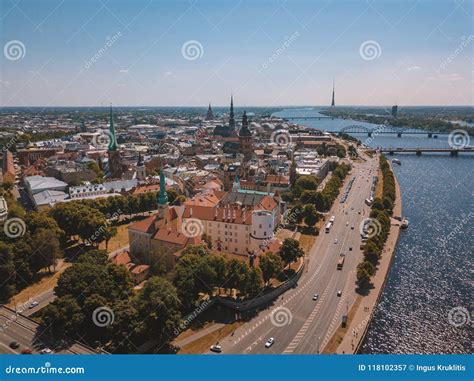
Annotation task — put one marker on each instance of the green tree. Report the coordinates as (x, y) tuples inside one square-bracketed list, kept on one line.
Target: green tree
[(159, 307), (94, 257), (7, 272), (290, 251), (63, 316), (254, 282), (311, 215), (47, 250), (271, 266)]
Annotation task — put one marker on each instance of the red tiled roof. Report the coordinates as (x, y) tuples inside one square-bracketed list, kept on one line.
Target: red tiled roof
[(140, 269), (172, 236), (145, 226), (267, 203), (203, 199), (122, 258)]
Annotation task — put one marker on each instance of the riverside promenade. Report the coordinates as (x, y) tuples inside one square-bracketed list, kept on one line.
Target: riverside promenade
[(361, 314)]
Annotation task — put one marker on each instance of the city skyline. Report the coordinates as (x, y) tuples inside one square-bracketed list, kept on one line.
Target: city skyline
[(267, 54)]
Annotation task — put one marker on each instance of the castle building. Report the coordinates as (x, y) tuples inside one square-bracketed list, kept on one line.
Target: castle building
[(238, 222)]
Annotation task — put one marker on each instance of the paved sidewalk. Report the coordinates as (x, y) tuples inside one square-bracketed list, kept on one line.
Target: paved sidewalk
[(360, 322), (198, 335)]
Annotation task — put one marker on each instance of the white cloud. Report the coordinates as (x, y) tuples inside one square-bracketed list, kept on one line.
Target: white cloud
[(413, 68)]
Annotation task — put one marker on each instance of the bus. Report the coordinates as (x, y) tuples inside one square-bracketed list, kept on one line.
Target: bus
[(328, 227), (340, 262)]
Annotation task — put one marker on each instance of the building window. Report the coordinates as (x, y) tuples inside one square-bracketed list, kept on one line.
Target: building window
[(260, 226)]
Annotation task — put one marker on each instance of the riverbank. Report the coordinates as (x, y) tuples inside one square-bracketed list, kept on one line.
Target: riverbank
[(363, 309)]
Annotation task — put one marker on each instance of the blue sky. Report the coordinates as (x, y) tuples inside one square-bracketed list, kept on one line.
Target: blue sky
[(265, 52)]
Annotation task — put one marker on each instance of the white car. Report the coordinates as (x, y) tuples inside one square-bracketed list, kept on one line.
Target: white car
[(216, 349), (46, 351), (315, 297), (335, 241), (33, 304), (269, 342), (347, 223), (339, 293)]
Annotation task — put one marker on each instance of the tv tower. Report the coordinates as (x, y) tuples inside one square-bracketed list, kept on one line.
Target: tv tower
[(333, 102)]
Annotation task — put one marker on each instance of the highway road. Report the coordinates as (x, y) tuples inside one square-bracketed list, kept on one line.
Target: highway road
[(29, 335), (311, 324)]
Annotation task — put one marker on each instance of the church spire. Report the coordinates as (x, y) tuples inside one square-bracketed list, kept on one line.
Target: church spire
[(333, 103), (113, 139), (231, 114), (210, 114), (163, 198)]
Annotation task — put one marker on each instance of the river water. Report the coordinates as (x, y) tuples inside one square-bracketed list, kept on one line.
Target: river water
[(425, 303)]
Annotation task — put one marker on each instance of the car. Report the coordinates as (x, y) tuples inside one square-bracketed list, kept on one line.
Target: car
[(315, 297), (216, 348), (358, 212), (269, 342), (14, 345), (347, 223), (26, 351), (350, 248), (352, 227), (335, 240), (46, 351), (33, 304), (339, 293)]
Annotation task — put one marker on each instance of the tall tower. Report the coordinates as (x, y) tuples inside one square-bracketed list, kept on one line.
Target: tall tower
[(141, 169), (163, 197), (231, 114), (245, 138), (210, 114), (333, 102), (115, 162)]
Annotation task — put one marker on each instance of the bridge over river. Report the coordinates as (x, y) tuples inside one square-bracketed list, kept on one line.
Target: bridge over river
[(419, 151)]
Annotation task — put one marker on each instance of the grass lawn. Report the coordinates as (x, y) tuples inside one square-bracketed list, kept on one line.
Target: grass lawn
[(47, 282), (379, 186), (338, 336), (120, 240)]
